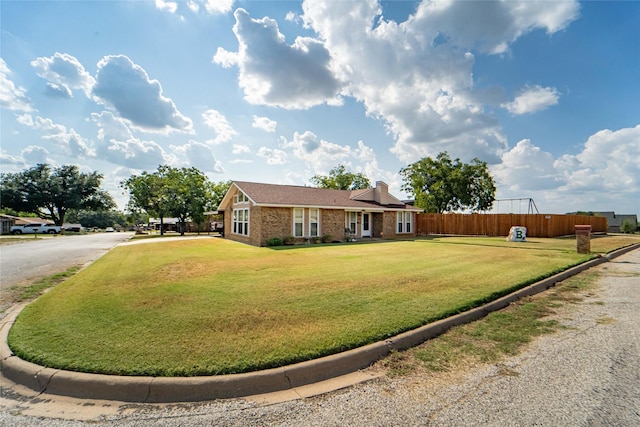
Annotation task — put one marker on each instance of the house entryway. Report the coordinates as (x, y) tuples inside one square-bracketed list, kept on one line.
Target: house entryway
[(366, 224)]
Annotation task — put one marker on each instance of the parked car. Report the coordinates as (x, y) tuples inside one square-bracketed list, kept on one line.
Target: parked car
[(109, 230), (35, 228)]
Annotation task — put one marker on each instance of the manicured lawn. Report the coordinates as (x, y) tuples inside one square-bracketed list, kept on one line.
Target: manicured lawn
[(212, 306)]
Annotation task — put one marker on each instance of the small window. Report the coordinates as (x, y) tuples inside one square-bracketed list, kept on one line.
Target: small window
[(353, 222), (240, 198), (404, 222), (298, 222), (314, 222)]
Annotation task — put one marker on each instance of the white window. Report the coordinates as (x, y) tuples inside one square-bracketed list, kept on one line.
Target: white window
[(314, 222), (404, 222), (241, 221), (298, 222), (353, 222), (241, 198)]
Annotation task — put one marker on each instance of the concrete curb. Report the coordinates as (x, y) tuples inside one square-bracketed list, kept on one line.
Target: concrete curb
[(190, 389)]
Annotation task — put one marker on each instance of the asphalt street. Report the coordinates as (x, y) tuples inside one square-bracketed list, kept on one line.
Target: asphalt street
[(35, 257), (586, 374)]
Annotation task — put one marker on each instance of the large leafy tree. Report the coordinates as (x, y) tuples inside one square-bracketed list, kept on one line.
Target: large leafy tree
[(148, 192), (180, 192), (187, 189), (340, 179), (50, 192), (445, 185)]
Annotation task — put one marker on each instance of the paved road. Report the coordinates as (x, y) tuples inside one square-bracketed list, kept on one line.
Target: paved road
[(34, 258), (587, 374)]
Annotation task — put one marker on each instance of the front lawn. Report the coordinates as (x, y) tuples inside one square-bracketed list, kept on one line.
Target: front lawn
[(213, 306)]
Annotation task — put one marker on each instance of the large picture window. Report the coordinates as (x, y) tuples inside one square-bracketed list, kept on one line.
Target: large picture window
[(241, 221), (314, 222), (298, 222), (404, 222)]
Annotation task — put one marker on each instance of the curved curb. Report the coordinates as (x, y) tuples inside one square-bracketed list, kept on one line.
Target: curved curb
[(191, 389)]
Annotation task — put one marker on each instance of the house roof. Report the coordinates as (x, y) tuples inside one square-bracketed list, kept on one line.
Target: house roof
[(261, 194)]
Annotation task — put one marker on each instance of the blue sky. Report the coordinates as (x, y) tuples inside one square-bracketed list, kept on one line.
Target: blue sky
[(548, 93)]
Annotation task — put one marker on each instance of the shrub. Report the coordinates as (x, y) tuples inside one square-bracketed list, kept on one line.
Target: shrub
[(289, 240), (275, 241), (327, 238), (627, 227)]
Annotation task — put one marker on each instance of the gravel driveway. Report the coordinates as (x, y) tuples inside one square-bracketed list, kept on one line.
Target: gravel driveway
[(588, 374)]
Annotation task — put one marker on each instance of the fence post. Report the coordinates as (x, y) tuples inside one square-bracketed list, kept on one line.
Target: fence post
[(583, 238)]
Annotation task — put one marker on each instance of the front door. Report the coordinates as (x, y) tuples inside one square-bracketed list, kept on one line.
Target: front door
[(366, 224)]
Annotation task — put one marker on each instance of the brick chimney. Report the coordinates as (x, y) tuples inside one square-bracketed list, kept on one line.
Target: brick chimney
[(381, 192)]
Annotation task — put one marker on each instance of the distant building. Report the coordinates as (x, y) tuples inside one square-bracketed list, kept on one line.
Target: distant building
[(614, 221)]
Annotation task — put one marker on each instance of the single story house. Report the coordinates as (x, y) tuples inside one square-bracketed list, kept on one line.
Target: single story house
[(615, 221), (255, 213), (8, 221)]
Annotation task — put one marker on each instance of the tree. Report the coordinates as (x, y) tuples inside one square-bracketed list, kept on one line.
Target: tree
[(217, 191), (628, 227), (445, 185), (148, 193), (340, 179), (187, 194), (96, 218), (51, 192), (169, 191)]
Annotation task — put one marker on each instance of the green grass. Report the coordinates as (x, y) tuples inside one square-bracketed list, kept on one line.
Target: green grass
[(212, 306)]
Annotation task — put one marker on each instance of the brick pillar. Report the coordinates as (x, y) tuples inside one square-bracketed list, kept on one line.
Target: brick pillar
[(583, 238)]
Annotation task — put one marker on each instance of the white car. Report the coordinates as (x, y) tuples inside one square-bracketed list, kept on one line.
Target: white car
[(109, 230)]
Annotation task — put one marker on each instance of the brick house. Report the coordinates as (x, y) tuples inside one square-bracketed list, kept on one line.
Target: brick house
[(255, 212)]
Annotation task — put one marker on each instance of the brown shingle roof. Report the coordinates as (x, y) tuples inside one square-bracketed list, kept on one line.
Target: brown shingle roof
[(292, 195)]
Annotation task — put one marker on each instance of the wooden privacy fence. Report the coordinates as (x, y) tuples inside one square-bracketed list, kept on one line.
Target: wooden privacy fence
[(538, 225)]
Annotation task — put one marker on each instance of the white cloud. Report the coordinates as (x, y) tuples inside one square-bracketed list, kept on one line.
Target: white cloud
[(200, 156), (218, 6), (168, 6), (63, 73), (305, 81), (218, 122), (292, 17), (193, 6), (417, 75), (526, 168), (264, 123), (491, 26), (7, 159), (127, 87), (610, 161), (25, 119), (605, 175), (12, 97), (532, 99), (70, 141), (34, 154), (119, 146), (319, 155), (273, 156), (226, 59), (240, 149), (58, 91)]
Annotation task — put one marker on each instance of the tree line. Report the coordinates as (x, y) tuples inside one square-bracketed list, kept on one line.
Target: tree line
[(437, 185)]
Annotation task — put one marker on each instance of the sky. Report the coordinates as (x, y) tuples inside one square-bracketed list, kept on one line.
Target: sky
[(546, 92)]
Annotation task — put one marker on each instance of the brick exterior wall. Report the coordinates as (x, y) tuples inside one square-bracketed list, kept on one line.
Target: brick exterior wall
[(269, 222)]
